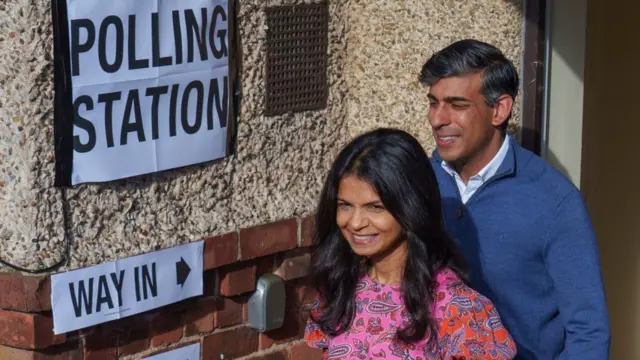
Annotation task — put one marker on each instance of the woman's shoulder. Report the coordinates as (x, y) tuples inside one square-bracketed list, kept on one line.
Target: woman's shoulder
[(446, 277), (457, 306), (448, 285), (451, 290)]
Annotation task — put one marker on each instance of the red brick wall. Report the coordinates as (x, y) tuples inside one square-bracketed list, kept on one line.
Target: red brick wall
[(217, 320)]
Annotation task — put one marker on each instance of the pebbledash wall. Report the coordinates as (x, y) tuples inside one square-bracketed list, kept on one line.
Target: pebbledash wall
[(253, 208)]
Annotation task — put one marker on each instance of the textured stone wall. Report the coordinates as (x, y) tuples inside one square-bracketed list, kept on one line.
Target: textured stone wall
[(389, 41), (31, 219), (276, 173), (376, 50)]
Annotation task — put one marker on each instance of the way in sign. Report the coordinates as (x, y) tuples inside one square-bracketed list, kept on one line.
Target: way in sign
[(83, 297), (110, 291)]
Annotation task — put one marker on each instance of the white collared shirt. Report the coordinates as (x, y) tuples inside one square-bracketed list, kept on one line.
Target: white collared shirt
[(467, 190)]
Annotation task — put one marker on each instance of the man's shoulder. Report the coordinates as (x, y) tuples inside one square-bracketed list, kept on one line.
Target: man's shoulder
[(434, 158), (542, 178), (436, 164)]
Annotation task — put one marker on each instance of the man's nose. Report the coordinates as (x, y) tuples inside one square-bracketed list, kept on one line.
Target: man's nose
[(438, 117)]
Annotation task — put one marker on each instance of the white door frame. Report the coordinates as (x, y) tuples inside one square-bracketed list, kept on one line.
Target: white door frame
[(562, 121)]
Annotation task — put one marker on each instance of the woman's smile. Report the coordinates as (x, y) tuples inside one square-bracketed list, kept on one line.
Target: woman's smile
[(363, 239)]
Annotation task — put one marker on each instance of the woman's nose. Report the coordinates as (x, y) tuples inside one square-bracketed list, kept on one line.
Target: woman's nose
[(358, 220)]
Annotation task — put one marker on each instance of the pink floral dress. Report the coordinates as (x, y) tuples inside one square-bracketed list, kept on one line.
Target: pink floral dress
[(469, 327)]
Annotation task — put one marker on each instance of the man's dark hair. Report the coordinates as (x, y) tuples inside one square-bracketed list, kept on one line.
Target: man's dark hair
[(466, 57)]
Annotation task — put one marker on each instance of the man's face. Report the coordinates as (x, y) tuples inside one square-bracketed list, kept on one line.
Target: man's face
[(462, 122)]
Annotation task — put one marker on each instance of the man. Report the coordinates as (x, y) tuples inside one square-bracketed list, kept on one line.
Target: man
[(522, 227)]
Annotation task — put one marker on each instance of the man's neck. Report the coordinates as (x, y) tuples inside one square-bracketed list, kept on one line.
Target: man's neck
[(476, 162)]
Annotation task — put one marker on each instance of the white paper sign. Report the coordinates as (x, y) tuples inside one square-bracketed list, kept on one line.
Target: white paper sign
[(150, 85), (110, 291), (191, 352)]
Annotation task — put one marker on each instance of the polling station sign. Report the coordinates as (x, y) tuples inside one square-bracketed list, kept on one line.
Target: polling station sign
[(114, 290), (141, 86)]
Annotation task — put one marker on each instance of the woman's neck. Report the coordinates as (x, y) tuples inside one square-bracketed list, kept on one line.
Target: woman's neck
[(389, 267)]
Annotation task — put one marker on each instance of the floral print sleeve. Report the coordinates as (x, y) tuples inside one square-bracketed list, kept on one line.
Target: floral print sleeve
[(314, 336), (470, 327)]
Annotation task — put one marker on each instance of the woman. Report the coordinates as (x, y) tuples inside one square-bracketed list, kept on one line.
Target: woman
[(387, 275)]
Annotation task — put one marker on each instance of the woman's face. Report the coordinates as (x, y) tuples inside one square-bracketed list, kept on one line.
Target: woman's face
[(363, 220)]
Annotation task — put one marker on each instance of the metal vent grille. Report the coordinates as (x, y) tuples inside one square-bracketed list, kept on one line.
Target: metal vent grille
[(297, 39)]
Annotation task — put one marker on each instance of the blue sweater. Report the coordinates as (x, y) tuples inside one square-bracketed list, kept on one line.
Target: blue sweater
[(530, 247)]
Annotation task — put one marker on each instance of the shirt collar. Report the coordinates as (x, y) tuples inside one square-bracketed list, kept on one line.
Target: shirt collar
[(489, 170)]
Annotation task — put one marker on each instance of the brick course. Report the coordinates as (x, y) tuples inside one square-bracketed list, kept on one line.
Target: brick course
[(238, 279), (268, 239), (230, 344), (27, 331), (306, 231), (232, 263), (25, 293), (220, 250)]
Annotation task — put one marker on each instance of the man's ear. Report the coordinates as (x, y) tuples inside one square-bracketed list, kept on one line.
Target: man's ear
[(501, 110)]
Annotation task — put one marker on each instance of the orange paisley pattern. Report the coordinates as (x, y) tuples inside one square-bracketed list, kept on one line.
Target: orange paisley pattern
[(469, 327)]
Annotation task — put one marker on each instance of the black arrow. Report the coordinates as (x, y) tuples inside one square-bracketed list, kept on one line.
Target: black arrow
[(182, 271)]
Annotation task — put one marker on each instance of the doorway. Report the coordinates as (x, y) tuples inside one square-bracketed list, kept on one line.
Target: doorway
[(594, 122)]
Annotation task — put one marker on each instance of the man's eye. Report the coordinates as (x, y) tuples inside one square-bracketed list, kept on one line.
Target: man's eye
[(459, 106)]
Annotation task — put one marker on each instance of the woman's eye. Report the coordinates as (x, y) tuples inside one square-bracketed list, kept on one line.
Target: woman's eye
[(343, 206), (377, 208)]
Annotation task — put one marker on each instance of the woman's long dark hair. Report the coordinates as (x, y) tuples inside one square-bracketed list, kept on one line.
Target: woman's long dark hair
[(396, 165)]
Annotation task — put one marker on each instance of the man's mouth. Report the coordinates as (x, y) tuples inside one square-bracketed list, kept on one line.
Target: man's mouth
[(445, 140)]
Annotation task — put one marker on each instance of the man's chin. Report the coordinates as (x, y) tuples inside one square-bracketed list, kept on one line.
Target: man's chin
[(449, 155)]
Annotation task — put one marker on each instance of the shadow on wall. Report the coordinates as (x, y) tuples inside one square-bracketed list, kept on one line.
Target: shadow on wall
[(562, 46), (553, 159)]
